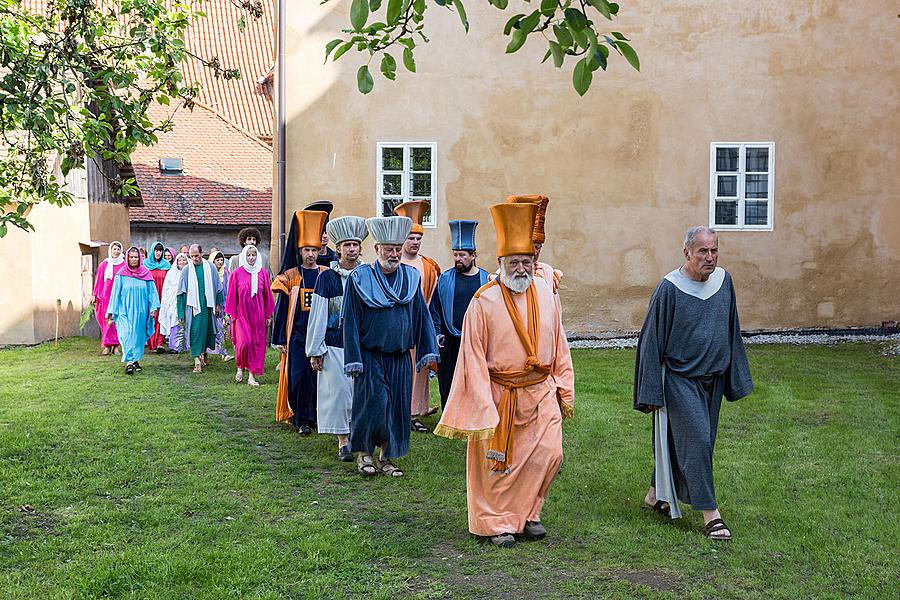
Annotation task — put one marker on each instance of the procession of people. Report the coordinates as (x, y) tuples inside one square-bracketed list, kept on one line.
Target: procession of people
[(358, 342)]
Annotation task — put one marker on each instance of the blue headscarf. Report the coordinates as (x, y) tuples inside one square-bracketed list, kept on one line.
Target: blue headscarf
[(150, 263)]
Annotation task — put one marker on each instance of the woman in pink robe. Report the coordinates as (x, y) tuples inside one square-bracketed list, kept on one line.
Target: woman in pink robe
[(106, 272), (250, 305)]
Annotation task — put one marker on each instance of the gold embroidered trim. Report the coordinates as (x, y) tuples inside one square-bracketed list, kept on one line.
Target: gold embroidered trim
[(460, 434), (567, 411)]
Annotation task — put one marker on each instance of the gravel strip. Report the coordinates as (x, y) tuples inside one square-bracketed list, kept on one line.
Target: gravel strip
[(786, 338)]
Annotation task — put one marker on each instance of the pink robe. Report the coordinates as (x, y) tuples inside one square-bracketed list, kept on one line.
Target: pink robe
[(102, 290), (429, 271), (249, 314), (501, 503)]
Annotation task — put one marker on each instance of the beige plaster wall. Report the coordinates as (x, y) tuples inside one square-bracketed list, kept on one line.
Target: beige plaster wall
[(627, 167), (44, 266)]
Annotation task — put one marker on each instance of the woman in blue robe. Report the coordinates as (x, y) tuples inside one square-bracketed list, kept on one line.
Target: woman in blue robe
[(133, 305)]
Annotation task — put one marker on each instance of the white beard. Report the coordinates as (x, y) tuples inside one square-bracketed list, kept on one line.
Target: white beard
[(386, 265), (516, 284)]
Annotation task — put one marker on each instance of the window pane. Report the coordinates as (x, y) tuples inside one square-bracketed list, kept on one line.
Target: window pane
[(726, 213), (392, 159), (420, 184), (421, 159), (726, 159), (757, 186), (727, 186), (393, 185), (388, 205), (757, 160), (756, 212)]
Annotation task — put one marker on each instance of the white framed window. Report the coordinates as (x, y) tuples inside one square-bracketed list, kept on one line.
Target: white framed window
[(742, 185), (406, 171)]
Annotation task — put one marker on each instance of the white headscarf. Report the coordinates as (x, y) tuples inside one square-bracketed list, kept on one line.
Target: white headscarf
[(168, 313), (113, 262), (253, 269)]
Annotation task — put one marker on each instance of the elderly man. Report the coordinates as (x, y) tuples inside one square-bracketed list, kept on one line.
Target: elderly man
[(455, 289), (200, 300), (429, 271), (513, 385), (293, 287), (385, 316), (538, 236), (689, 355), (325, 334)]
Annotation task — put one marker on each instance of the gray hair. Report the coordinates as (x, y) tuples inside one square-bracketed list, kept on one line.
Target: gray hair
[(691, 235)]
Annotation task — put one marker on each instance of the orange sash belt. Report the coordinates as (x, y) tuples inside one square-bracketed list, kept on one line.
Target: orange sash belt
[(500, 448)]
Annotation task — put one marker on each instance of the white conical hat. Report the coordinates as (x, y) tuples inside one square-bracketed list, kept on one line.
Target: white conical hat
[(389, 230), (345, 229)]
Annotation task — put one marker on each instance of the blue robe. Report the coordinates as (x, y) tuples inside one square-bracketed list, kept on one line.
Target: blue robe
[(302, 378), (448, 307), (384, 316), (130, 304)]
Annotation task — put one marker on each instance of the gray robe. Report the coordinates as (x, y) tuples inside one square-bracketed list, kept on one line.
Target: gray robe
[(690, 353)]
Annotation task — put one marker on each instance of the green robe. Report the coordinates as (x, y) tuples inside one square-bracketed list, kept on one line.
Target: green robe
[(202, 334)]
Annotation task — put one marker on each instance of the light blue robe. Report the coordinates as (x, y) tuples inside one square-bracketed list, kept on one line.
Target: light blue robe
[(130, 304)]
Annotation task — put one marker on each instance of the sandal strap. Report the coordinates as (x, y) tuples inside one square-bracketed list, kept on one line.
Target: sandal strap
[(714, 526)]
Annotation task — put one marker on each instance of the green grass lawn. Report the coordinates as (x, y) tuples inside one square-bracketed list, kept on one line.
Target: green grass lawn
[(174, 485)]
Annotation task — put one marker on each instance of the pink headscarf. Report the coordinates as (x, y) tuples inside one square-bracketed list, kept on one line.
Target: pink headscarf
[(141, 272)]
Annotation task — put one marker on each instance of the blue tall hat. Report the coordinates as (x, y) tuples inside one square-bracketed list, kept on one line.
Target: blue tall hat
[(462, 235)]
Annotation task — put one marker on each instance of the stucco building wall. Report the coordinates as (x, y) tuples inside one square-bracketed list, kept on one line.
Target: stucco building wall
[(627, 166)]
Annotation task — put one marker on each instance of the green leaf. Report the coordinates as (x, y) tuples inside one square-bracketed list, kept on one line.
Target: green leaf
[(600, 57), (530, 22), (517, 41), (418, 7), (340, 51), (548, 7), (513, 21), (364, 80), (563, 35), (409, 61), (330, 46), (602, 6), (242, 23), (618, 35), (558, 54), (630, 55), (547, 55), (614, 8), (580, 38), (394, 11), (359, 14), (501, 4), (163, 99), (575, 19), (389, 66), (374, 5), (582, 76), (462, 14)]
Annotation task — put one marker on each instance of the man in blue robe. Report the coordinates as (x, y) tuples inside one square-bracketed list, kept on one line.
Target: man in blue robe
[(689, 355), (455, 289), (385, 315)]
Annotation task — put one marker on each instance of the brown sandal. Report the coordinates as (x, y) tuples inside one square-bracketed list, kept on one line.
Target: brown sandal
[(715, 526), (386, 467), (366, 466)]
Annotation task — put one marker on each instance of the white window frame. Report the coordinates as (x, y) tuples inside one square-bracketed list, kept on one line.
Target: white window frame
[(741, 185), (406, 178)]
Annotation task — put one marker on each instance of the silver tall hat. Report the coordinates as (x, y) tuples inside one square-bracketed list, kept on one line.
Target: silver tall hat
[(389, 230)]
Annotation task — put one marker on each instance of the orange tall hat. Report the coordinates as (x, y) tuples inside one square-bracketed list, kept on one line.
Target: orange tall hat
[(310, 224), (415, 210), (537, 234), (514, 223)]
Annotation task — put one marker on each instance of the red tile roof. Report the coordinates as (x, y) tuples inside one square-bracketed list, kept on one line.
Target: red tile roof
[(244, 102), (227, 178)]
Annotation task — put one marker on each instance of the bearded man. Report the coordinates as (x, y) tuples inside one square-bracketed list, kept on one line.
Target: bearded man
[(455, 289), (539, 237), (200, 300), (385, 317), (513, 385)]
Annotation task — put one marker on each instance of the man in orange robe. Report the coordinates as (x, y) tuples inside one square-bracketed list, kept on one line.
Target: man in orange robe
[(429, 271), (513, 385), (538, 237)]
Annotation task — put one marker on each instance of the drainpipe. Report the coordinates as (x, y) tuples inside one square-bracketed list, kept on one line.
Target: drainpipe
[(280, 125)]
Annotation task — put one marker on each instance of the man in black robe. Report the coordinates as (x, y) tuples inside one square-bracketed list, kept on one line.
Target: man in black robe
[(689, 355), (455, 288)]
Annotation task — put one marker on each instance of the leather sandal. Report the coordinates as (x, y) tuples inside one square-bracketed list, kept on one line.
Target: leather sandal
[(715, 526), (366, 466)]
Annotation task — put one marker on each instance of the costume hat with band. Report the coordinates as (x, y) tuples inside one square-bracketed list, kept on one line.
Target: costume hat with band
[(541, 202), (346, 229), (306, 232), (326, 206), (462, 235), (514, 224), (389, 230), (415, 210)]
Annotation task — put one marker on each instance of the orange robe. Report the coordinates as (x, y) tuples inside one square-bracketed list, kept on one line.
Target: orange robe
[(429, 272), (501, 502)]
